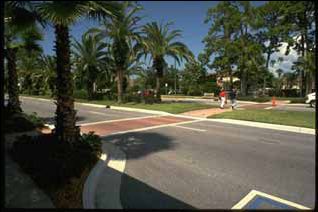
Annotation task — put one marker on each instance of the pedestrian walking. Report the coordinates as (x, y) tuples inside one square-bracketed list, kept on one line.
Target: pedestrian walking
[(222, 96), (233, 98)]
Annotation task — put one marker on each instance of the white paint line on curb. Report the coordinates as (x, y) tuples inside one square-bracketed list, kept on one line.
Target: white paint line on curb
[(267, 126), (190, 128), (254, 193), (118, 120)]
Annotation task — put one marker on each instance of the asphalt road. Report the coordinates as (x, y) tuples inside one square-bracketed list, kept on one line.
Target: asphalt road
[(174, 167), (293, 107), (85, 114), (215, 167)]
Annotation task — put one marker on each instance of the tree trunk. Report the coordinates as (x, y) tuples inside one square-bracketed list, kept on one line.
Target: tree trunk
[(120, 85), (301, 73), (243, 83), (308, 82), (65, 126), (158, 96), (13, 89), (90, 82), (267, 65), (158, 64)]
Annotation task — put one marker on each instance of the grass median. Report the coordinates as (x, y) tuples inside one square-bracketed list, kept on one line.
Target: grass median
[(291, 118), (170, 107)]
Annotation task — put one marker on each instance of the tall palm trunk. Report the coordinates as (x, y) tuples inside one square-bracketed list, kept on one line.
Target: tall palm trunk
[(158, 96), (65, 128), (90, 82), (13, 89), (120, 85), (158, 64)]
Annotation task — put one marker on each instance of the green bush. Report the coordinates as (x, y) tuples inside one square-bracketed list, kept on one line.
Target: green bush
[(21, 122), (94, 141), (80, 94), (55, 166), (297, 100), (252, 99)]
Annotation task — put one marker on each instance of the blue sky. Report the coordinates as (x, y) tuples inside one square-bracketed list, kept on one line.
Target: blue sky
[(188, 16)]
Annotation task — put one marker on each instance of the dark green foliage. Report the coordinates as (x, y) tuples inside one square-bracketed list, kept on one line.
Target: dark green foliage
[(253, 99), (51, 163), (80, 94), (20, 122)]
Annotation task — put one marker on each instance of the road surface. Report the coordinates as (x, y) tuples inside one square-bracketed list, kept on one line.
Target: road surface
[(203, 164)]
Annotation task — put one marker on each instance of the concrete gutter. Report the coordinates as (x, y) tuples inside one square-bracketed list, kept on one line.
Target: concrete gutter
[(98, 192)]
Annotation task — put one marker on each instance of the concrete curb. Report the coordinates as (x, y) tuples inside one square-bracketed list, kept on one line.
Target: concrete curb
[(267, 126), (105, 176), (256, 124)]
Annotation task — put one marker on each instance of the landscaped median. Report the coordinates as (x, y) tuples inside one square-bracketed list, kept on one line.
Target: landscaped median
[(291, 118), (173, 107)]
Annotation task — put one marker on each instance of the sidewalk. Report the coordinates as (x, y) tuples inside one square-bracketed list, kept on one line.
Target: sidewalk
[(206, 112), (20, 190)]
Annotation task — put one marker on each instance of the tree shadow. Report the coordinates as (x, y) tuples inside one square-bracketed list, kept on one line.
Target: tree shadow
[(51, 120), (135, 194), (140, 144)]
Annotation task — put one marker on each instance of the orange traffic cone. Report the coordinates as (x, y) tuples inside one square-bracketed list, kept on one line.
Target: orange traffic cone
[(273, 101)]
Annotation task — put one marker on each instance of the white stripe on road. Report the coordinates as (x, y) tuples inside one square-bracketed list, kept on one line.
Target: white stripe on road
[(254, 193), (154, 127), (118, 120), (190, 128)]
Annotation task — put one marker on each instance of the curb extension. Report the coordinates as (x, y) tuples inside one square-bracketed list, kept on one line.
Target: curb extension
[(229, 121), (108, 169)]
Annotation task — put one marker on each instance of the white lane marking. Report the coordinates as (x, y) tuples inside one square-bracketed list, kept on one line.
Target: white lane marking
[(253, 193), (154, 127), (190, 128), (103, 157), (118, 120), (98, 113)]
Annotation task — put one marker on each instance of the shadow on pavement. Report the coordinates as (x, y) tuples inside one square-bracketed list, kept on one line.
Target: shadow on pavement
[(135, 194), (140, 144), (51, 120)]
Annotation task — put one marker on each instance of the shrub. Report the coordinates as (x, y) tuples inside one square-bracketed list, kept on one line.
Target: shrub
[(21, 122), (80, 94), (297, 100), (252, 99), (59, 168)]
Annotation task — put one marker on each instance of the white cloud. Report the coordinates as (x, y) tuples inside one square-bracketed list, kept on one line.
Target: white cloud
[(287, 62)]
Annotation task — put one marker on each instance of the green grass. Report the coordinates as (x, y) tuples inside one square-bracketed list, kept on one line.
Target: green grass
[(173, 107), (292, 118)]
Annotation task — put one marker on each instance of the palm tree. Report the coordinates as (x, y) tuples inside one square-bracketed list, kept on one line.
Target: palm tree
[(122, 31), (62, 14), (92, 57), (19, 18), (157, 42), (48, 66)]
